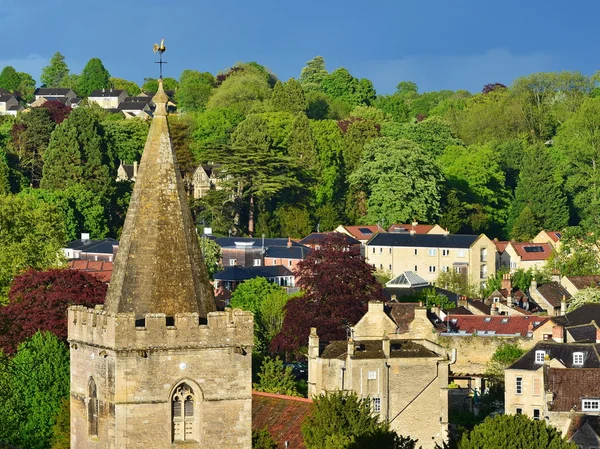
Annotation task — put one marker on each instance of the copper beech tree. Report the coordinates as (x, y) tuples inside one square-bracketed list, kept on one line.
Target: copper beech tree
[(38, 300), (338, 285)]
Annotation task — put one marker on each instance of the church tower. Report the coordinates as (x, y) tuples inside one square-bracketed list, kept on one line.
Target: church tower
[(157, 366)]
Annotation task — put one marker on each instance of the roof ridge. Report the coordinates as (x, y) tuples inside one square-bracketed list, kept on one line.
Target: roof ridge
[(281, 396)]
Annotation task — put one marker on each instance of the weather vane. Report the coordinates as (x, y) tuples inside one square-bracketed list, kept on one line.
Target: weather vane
[(160, 49)]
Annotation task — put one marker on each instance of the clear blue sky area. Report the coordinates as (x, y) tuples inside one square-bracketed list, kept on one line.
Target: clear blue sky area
[(439, 44)]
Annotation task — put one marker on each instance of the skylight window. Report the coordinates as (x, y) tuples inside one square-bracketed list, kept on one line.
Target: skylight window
[(533, 249)]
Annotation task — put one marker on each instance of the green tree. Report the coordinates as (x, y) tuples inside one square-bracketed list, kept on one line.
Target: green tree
[(194, 90), (26, 87), (211, 254), (343, 421), (240, 92), (330, 175), (32, 237), (32, 385), (504, 356), (270, 314), (212, 128), (342, 85), (55, 72), (261, 439), (301, 143), (578, 148), (590, 295), (93, 77), (288, 97), (541, 190), (457, 283), (313, 74), (61, 430), (578, 253), (274, 378), (125, 138), (418, 196), (514, 431), (294, 222), (394, 106), (525, 226), (9, 79), (358, 133), (121, 84)]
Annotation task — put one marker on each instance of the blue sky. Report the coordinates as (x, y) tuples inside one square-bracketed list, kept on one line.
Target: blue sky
[(439, 44)]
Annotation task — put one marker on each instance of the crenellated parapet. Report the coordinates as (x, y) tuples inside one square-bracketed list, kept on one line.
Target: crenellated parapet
[(123, 331)]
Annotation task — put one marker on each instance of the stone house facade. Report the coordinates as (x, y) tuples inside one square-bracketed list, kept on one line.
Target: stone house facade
[(406, 380), (108, 98)]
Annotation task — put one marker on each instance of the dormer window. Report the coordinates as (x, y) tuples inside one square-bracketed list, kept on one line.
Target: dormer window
[(496, 299), (540, 356), (578, 358), (590, 405)]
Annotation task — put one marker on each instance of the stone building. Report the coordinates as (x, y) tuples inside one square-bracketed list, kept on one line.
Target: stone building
[(156, 366), (405, 379)]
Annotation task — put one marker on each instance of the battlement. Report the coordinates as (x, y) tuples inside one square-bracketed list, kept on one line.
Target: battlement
[(101, 328)]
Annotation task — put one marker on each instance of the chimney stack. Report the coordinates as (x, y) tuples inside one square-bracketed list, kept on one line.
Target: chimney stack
[(533, 284), (494, 311), (350, 347), (289, 243), (558, 334), (507, 282), (563, 305), (462, 301), (135, 169), (385, 343), (597, 335)]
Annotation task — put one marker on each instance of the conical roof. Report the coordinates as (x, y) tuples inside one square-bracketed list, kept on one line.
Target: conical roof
[(159, 268)]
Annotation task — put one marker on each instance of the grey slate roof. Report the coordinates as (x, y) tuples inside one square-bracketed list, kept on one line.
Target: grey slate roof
[(553, 293), (283, 252), (372, 349), (563, 352), (317, 237), (132, 106), (585, 333), (582, 315), (52, 91), (423, 240), (104, 246), (237, 273), (106, 93)]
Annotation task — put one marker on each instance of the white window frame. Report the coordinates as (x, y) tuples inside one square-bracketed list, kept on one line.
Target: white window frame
[(232, 262), (540, 356), (518, 385), (371, 375), (461, 253), (289, 263), (257, 262), (432, 268), (432, 252), (445, 268), (590, 405), (519, 411), (377, 405), (578, 358), (537, 414)]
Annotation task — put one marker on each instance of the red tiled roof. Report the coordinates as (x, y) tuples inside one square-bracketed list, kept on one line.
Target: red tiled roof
[(419, 229), (571, 385), (100, 270), (554, 235), (499, 325), (282, 416), (359, 235), (534, 255), (581, 282), (501, 245)]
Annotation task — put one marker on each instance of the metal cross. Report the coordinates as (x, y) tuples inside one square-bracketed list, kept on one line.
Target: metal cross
[(161, 62)]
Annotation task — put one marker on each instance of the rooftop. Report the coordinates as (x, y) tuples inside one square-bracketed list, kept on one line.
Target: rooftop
[(570, 386), (532, 251), (372, 349), (364, 232), (423, 240), (106, 93), (237, 273), (104, 246), (418, 228), (562, 352), (498, 325)]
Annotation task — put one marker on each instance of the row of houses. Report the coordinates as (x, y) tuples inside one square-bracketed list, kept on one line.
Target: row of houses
[(114, 100)]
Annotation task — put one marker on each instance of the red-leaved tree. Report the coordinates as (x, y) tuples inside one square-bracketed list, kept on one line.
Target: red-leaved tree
[(58, 111), (38, 300), (338, 285)]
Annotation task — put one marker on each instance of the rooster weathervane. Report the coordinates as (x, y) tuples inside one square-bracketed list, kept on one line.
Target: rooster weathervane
[(160, 48)]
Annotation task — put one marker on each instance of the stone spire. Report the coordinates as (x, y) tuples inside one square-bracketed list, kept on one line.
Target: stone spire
[(159, 268)]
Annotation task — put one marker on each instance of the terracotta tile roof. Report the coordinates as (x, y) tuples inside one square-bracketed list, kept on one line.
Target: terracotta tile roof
[(571, 385), (98, 269), (282, 416), (532, 251), (363, 232), (554, 235), (581, 282), (419, 229), (494, 325), (553, 292), (501, 245)]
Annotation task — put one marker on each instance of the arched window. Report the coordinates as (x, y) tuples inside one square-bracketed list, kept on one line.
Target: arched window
[(182, 406), (92, 408)]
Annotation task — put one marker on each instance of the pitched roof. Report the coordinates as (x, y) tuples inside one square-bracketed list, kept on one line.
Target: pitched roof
[(159, 268), (5, 97), (100, 270), (225, 242), (106, 93), (363, 232), (501, 325), (479, 305), (554, 235), (407, 279), (419, 228), (373, 349), (298, 252), (423, 240), (52, 91), (581, 315), (553, 292), (132, 106), (317, 238), (581, 282), (584, 333), (570, 386), (501, 245), (104, 246), (584, 430), (403, 313), (532, 251), (563, 352), (237, 273), (282, 416)]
